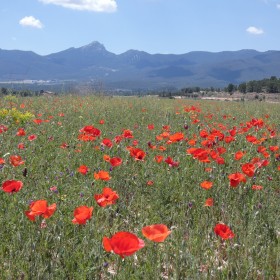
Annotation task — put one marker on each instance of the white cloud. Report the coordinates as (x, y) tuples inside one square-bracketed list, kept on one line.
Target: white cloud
[(85, 5), (31, 21), (254, 30)]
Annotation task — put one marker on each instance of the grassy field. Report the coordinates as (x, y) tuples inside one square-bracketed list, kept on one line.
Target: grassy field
[(188, 165)]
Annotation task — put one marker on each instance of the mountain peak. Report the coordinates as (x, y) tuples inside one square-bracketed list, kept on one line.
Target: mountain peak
[(95, 45)]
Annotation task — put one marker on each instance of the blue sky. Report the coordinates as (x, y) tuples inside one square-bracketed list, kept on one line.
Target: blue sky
[(154, 26)]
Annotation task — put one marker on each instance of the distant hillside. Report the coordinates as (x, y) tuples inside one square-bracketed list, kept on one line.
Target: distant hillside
[(138, 69)]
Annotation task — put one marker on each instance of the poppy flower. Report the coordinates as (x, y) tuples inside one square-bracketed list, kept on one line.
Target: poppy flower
[(21, 146), (206, 185), (236, 178), (179, 136), (40, 208), (151, 126), (82, 214), (16, 160), (156, 233), (209, 202), (248, 169), (32, 137), (171, 162), (239, 155), (123, 244), (108, 197), (106, 158), (115, 161), (151, 146), (83, 169), (107, 142), (37, 121), (150, 183), (223, 231), (90, 130), (102, 175), (137, 153), (21, 132), (3, 128), (257, 188), (11, 186), (158, 158), (2, 161), (127, 133)]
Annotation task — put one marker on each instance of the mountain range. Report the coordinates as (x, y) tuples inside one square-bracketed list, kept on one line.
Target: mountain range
[(138, 69)]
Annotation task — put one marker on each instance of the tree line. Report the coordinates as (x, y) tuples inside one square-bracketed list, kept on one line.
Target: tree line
[(271, 85)]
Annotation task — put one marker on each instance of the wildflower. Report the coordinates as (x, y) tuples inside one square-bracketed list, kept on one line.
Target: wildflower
[(11, 186), (40, 208), (223, 231), (156, 233), (108, 197), (82, 214), (209, 202), (206, 185), (102, 175), (83, 169), (236, 178), (123, 244)]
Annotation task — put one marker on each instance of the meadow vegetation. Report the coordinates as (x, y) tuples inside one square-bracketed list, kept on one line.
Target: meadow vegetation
[(207, 172)]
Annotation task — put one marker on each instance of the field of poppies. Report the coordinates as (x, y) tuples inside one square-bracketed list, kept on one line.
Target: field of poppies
[(139, 188)]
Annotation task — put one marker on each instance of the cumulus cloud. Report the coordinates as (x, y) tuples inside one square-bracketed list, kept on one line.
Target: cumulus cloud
[(31, 21), (85, 5), (254, 30)]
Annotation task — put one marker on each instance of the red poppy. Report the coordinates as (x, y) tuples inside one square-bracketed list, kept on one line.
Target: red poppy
[(20, 132), (156, 233), (21, 146), (248, 169), (106, 158), (257, 188), (83, 169), (150, 183), (171, 162), (273, 148), (64, 146), (151, 126), (102, 175), (37, 121), (127, 133), (209, 202), (137, 153), (206, 185), (82, 214), (90, 130), (32, 137), (236, 178), (107, 142), (16, 160), (108, 197), (223, 231), (239, 155), (123, 243), (251, 139), (179, 136), (101, 121), (2, 161), (115, 161), (40, 208), (3, 128), (158, 158), (118, 139), (11, 186)]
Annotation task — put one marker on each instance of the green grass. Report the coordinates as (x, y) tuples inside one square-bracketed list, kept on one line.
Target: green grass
[(63, 250)]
